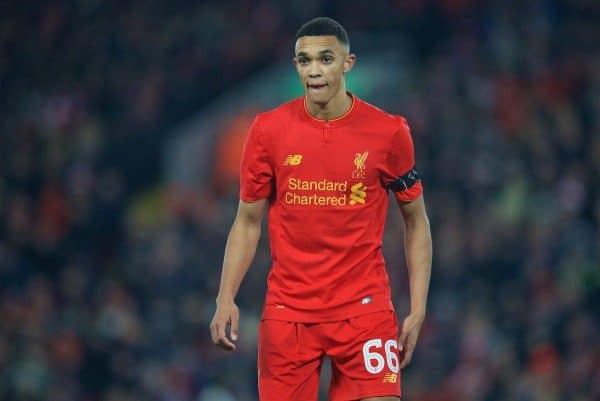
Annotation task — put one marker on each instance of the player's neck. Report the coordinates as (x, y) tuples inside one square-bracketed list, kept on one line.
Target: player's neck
[(336, 107)]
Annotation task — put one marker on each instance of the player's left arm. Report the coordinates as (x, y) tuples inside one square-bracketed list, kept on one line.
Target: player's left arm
[(418, 248)]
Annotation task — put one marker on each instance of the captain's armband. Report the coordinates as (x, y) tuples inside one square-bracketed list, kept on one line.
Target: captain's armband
[(404, 182)]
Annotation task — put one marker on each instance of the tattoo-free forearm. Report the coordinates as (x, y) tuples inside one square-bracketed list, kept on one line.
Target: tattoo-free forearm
[(418, 248), (239, 253)]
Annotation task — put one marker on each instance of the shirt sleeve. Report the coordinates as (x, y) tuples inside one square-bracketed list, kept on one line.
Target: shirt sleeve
[(256, 172), (399, 174)]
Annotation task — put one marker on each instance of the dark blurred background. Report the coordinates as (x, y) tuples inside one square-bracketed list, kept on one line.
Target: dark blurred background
[(122, 123)]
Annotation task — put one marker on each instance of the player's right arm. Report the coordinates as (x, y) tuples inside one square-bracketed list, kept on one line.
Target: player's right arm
[(239, 252), (256, 185)]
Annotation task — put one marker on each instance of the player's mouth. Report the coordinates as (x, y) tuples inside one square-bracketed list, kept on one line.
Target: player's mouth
[(316, 88)]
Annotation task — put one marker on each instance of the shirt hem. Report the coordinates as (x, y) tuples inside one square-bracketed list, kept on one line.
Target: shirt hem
[(281, 312)]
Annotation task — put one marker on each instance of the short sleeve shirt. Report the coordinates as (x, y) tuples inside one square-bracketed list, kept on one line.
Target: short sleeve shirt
[(327, 183)]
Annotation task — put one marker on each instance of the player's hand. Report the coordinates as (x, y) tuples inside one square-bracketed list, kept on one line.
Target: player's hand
[(227, 313), (408, 338)]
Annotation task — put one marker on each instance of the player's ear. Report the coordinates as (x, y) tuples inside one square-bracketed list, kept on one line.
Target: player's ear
[(295, 62), (349, 62)]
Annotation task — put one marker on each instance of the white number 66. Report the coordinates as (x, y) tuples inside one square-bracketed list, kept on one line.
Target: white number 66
[(374, 362)]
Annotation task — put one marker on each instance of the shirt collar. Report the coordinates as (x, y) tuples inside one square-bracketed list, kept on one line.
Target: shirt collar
[(335, 122)]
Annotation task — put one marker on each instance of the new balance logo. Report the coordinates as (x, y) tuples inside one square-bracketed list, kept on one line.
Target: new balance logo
[(292, 160), (358, 194), (390, 378)]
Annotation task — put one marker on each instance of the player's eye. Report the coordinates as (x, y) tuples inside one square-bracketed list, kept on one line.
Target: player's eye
[(302, 61), (327, 59)]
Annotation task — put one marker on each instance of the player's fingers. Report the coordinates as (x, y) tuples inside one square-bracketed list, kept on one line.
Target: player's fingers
[(409, 348), (407, 355), (213, 331), (222, 339), (235, 319), (226, 344), (402, 340)]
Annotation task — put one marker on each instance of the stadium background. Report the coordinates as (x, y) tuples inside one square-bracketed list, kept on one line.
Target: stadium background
[(121, 128)]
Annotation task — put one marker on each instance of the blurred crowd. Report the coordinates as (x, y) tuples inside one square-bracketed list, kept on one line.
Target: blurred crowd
[(107, 285)]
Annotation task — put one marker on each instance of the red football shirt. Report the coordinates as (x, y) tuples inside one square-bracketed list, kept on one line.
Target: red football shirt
[(327, 183)]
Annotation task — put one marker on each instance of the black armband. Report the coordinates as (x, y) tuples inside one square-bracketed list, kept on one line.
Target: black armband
[(406, 181)]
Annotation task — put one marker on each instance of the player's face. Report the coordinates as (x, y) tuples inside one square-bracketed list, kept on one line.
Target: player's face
[(321, 62)]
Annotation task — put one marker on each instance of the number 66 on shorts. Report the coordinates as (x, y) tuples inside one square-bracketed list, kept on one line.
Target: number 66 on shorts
[(373, 354)]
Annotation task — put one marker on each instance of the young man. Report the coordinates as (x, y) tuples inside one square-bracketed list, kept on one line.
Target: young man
[(324, 164)]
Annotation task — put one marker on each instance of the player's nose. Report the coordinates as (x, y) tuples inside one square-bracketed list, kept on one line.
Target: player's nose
[(315, 75), (314, 71)]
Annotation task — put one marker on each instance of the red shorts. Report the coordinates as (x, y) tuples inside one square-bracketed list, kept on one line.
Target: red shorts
[(363, 352)]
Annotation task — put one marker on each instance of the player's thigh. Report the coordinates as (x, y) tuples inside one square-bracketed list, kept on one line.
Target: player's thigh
[(365, 362), (288, 363)]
